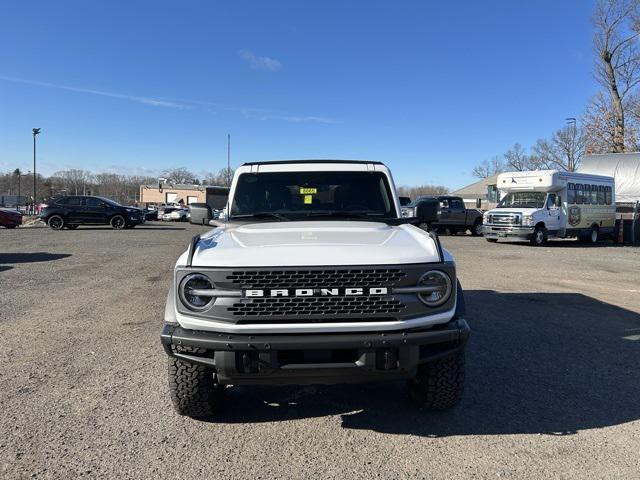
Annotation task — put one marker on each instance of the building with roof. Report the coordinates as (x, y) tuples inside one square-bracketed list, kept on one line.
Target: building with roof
[(163, 194), (480, 194)]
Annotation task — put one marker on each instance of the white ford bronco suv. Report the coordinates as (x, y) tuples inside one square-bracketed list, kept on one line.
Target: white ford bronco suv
[(314, 277)]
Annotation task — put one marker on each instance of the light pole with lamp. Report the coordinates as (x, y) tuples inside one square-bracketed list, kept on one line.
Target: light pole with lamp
[(572, 161)]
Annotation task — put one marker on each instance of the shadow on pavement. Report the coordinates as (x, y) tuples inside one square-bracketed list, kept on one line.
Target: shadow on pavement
[(548, 363), (138, 227), (15, 258)]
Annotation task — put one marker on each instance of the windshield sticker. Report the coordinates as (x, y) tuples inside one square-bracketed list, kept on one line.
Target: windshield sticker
[(308, 199), (308, 190)]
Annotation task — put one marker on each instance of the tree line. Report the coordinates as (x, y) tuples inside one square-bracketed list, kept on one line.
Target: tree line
[(124, 189), (610, 122)]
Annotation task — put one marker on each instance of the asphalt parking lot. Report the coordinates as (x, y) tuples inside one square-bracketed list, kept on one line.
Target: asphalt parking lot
[(552, 382)]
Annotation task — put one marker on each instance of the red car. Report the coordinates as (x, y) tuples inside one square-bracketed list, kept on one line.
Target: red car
[(10, 218)]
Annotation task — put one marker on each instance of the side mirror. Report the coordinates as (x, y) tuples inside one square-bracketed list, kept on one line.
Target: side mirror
[(427, 211)]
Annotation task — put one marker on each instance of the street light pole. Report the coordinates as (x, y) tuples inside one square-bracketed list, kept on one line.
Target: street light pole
[(572, 161), (35, 131)]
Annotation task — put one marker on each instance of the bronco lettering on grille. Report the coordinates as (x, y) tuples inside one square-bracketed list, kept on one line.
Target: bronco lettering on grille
[(312, 292)]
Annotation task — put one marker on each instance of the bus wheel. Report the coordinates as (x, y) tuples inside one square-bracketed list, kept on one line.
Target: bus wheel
[(593, 236), (539, 237)]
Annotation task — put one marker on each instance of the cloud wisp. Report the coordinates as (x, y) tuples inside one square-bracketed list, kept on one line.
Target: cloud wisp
[(134, 98), (260, 63), (265, 115), (246, 112)]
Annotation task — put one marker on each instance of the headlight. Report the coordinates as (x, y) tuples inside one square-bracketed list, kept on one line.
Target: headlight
[(527, 220), (438, 288), (195, 281)]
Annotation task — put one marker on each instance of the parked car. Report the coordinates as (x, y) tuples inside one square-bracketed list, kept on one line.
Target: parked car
[(316, 279), (176, 215), (70, 211), (151, 214), (455, 216), (10, 218)]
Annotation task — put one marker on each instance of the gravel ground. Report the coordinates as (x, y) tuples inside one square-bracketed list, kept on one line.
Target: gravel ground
[(552, 384)]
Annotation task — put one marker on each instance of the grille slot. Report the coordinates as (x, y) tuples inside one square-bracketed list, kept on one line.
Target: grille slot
[(317, 278), (306, 306)]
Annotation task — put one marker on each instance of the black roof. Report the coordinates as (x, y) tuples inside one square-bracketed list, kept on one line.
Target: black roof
[(283, 162)]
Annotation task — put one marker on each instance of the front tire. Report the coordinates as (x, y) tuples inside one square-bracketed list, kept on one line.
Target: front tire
[(476, 230), (118, 222), (439, 384), (194, 390), (594, 236), (56, 222), (539, 236)]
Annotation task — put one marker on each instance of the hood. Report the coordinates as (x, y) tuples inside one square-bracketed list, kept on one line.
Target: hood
[(313, 243), (523, 211)]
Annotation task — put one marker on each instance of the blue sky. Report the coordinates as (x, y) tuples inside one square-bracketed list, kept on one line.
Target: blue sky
[(430, 88)]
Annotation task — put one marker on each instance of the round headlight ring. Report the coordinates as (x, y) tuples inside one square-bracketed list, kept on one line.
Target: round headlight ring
[(192, 302), (431, 278)]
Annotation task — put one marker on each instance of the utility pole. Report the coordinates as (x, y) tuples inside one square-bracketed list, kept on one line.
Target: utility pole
[(35, 131), (571, 164)]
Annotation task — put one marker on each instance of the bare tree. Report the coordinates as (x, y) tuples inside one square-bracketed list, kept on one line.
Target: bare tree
[(517, 159), (179, 176), (618, 63), (74, 180), (563, 151), (489, 168), (422, 190), (222, 178)]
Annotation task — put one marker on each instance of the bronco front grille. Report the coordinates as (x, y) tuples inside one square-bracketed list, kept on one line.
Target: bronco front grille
[(303, 306), (374, 277)]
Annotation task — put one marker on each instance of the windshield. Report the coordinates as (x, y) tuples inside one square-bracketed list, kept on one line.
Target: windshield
[(300, 195), (523, 200)]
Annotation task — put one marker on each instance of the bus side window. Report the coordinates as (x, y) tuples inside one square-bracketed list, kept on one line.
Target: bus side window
[(601, 195), (607, 195), (579, 193), (571, 193), (594, 195)]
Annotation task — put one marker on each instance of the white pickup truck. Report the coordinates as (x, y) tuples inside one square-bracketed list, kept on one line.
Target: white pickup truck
[(314, 277)]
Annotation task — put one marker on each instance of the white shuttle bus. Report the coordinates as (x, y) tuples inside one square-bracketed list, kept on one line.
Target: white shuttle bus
[(545, 204)]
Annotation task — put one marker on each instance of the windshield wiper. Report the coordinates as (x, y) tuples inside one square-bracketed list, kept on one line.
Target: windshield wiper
[(262, 215), (345, 214)]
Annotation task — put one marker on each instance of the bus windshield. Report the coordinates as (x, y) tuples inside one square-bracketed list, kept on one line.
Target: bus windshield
[(523, 200)]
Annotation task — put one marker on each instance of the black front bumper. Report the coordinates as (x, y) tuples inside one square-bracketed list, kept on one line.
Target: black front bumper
[(314, 358)]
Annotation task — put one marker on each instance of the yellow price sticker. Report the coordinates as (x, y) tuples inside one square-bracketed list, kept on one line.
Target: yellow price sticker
[(308, 190), (308, 199)]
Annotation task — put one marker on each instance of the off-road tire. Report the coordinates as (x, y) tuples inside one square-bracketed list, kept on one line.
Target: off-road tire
[(439, 384), (118, 222), (492, 240), (194, 390), (539, 237), (476, 230), (56, 222)]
